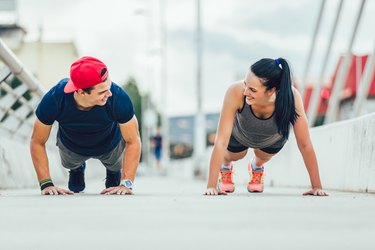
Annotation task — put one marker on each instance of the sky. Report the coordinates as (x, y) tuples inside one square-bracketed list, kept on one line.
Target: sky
[(125, 34)]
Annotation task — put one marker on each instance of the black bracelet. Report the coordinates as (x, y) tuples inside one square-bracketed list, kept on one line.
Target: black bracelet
[(46, 185)]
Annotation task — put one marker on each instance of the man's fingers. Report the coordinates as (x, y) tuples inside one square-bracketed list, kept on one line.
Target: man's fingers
[(113, 191), (120, 190), (105, 191), (64, 191), (55, 191)]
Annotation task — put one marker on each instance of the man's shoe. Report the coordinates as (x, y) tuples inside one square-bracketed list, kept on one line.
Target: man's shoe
[(226, 182), (113, 178), (77, 179), (255, 184)]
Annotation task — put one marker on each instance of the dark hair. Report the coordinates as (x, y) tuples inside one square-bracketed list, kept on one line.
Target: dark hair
[(88, 90), (271, 75)]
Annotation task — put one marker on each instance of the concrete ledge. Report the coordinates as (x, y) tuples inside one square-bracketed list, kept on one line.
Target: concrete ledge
[(17, 171), (16, 167), (345, 152)]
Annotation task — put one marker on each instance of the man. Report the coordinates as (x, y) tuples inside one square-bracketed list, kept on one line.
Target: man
[(96, 120)]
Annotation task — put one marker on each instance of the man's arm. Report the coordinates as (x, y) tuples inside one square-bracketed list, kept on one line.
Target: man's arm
[(132, 151), (39, 138), (132, 154), (39, 156)]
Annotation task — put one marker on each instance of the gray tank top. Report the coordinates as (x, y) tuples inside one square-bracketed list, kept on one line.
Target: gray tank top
[(254, 132)]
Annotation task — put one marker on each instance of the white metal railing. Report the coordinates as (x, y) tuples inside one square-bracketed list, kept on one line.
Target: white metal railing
[(20, 93)]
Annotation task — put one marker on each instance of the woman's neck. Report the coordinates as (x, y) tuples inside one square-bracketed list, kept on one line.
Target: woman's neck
[(263, 111)]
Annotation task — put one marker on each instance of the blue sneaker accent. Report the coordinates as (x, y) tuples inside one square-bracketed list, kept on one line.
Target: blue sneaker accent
[(77, 179), (113, 178)]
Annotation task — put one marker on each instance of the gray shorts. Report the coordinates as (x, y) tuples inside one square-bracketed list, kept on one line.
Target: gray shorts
[(112, 160)]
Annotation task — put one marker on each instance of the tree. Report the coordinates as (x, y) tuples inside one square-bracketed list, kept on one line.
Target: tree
[(131, 88)]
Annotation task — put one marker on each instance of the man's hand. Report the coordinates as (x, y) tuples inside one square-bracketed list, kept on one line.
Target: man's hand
[(120, 190), (316, 192), (214, 191), (55, 191)]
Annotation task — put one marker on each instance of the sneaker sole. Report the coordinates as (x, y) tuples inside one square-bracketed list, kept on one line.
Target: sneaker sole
[(231, 191), (255, 191), (227, 191)]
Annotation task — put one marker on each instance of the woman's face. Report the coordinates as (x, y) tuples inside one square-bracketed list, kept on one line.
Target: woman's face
[(254, 90)]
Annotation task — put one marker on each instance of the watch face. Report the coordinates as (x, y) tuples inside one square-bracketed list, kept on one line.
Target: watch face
[(128, 183)]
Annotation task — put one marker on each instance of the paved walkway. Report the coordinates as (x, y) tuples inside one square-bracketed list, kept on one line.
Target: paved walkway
[(172, 214)]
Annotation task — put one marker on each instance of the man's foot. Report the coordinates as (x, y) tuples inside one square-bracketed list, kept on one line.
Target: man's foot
[(113, 179), (226, 182), (77, 179), (255, 184)]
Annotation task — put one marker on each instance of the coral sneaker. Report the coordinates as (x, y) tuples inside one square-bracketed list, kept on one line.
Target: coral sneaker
[(255, 184), (226, 183)]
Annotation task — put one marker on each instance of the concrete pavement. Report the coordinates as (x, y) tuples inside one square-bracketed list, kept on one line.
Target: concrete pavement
[(169, 213)]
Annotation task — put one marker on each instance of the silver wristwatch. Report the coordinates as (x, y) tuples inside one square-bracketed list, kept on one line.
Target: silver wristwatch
[(127, 183)]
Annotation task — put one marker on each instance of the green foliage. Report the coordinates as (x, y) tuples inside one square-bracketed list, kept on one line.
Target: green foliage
[(131, 88), (15, 82)]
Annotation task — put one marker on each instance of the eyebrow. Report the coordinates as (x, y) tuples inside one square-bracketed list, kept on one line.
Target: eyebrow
[(248, 87), (101, 92)]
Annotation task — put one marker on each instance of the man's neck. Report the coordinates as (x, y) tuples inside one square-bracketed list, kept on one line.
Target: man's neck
[(80, 103)]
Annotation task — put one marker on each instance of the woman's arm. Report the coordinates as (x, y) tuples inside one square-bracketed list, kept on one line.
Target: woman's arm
[(232, 102), (301, 132)]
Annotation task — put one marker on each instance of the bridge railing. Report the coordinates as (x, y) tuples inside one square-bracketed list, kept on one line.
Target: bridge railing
[(20, 93)]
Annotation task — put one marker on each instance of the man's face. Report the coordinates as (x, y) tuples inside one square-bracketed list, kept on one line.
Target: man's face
[(100, 93)]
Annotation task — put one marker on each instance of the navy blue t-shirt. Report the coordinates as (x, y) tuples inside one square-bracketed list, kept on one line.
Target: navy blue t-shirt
[(90, 133)]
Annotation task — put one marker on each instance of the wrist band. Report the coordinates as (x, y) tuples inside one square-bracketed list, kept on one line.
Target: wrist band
[(44, 181), (46, 185)]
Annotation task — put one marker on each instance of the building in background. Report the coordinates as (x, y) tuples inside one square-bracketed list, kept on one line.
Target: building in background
[(181, 132), (48, 61)]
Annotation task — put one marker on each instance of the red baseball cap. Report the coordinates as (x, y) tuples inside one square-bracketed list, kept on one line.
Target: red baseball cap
[(85, 73)]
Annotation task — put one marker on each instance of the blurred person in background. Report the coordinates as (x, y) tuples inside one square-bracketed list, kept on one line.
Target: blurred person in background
[(157, 145)]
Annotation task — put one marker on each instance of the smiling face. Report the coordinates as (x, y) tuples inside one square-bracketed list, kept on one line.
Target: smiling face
[(255, 92), (98, 95), (101, 92)]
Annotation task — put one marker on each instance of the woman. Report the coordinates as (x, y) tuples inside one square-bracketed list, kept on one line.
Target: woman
[(258, 113)]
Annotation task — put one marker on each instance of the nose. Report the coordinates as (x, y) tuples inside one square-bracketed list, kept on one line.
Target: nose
[(245, 92), (109, 93)]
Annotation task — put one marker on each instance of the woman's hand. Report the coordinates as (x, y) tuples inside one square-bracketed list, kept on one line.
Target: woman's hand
[(214, 191), (316, 192)]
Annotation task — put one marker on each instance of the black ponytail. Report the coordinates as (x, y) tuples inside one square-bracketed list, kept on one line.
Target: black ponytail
[(271, 75)]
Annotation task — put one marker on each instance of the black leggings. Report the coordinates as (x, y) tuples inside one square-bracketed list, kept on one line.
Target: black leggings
[(235, 147)]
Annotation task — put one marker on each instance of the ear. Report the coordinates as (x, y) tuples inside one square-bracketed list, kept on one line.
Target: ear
[(271, 91), (81, 92)]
